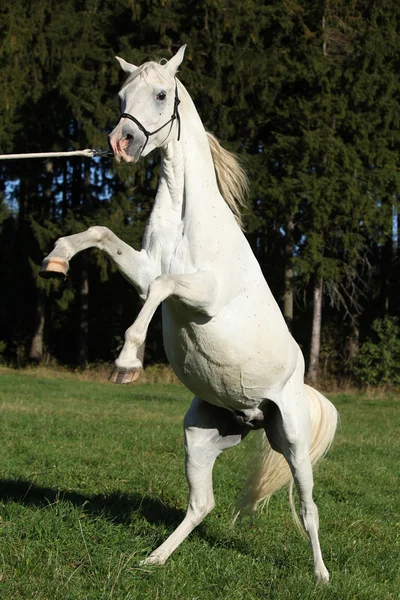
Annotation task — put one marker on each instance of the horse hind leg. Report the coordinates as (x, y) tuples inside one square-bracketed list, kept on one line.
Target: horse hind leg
[(209, 430), (300, 465), (290, 435)]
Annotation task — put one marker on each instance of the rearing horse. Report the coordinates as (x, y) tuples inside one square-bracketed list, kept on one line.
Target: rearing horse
[(224, 333)]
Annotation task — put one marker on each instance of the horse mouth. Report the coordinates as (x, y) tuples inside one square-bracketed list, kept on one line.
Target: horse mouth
[(122, 155), (124, 149)]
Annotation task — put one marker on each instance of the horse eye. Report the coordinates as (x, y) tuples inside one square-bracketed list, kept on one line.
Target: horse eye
[(161, 96)]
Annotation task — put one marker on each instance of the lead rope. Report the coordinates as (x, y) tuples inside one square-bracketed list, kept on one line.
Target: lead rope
[(88, 152)]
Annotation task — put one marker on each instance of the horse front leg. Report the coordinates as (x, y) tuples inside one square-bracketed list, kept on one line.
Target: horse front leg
[(197, 291), (137, 267)]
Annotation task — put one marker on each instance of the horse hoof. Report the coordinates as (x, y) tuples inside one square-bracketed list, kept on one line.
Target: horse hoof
[(124, 375), (54, 267), (153, 560), (322, 575)]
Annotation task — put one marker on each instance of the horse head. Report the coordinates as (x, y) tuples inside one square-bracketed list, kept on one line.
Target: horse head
[(150, 108)]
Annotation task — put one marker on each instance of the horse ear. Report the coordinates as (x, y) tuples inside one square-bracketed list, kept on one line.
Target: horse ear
[(176, 60), (125, 66)]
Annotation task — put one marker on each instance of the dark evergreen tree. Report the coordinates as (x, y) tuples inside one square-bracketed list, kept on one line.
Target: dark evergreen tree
[(307, 93)]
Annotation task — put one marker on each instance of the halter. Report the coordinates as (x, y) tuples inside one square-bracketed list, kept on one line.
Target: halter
[(175, 115)]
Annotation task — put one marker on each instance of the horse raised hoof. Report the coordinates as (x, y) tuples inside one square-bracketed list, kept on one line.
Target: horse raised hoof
[(124, 375), (54, 267)]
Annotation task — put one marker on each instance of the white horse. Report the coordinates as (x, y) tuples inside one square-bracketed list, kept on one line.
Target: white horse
[(224, 333)]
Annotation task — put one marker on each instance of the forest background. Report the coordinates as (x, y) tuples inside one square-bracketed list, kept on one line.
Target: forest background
[(307, 93)]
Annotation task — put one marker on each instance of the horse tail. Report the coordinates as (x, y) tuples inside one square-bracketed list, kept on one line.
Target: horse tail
[(274, 472)]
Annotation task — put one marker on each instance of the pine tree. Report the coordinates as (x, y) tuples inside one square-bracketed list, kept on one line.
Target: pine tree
[(307, 94)]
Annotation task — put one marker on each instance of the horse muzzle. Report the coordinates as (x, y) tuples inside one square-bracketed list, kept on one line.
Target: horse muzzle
[(126, 145)]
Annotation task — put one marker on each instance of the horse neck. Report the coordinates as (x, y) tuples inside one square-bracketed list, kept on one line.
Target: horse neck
[(188, 185)]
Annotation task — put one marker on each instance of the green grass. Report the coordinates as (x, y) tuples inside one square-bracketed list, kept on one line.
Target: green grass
[(92, 480)]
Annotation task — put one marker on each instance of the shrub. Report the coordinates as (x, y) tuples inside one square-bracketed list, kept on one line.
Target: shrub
[(378, 361)]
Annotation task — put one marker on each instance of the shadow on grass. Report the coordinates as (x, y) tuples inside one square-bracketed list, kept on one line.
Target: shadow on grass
[(118, 507)]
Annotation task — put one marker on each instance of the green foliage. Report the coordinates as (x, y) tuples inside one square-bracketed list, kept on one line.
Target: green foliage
[(378, 361)]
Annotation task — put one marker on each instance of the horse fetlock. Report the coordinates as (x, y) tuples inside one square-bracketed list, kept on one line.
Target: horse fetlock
[(62, 249), (127, 361), (127, 368)]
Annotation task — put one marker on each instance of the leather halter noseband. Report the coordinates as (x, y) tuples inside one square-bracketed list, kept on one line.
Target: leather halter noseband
[(175, 115)]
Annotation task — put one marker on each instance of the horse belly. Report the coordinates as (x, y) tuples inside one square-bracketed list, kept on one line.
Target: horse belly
[(225, 363)]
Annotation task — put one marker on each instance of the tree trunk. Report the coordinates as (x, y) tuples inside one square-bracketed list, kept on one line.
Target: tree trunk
[(353, 342), (385, 267), (84, 313), (64, 187), (313, 367), (288, 295), (36, 350), (49, 206), (84, 289)]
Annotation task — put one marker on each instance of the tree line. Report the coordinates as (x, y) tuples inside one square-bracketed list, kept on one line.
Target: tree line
[(307, 93)]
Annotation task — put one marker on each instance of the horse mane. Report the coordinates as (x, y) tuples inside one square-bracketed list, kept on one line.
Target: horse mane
[(232, 180)]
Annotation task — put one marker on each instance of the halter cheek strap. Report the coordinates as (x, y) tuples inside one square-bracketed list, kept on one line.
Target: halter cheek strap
[(175, 115)]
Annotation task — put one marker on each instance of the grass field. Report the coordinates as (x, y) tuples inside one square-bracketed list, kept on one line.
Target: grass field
[(92, 480)]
